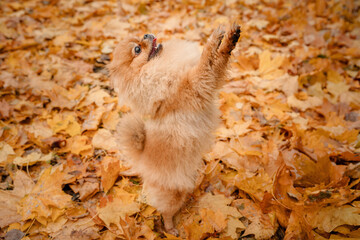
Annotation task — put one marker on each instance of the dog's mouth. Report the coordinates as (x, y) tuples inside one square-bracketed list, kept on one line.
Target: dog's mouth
[(155, 49)]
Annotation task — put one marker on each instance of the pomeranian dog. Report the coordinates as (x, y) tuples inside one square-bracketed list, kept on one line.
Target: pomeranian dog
[(171, 89)]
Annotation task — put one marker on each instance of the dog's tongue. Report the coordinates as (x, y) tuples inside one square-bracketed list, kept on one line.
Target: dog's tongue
[(153, 46)]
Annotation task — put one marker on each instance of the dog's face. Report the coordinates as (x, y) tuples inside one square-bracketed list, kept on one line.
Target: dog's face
[(133, 53)]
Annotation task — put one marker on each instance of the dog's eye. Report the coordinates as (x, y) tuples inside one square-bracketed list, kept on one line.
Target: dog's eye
[(137, 50)]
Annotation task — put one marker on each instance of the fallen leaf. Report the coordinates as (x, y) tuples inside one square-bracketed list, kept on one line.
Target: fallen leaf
[(77, 144), (234, 227), (67, 124), (9, 199), (117, 207), (82, 229), (105, 140), (269, 68), (110, 169), (254, 184), (5, 151), (32, 159), (216, 219), (311, 102), (8, 208), (93, 120), (110, 120), (88, 189), (218, 203), (45, 197), (263, 226), (40, 130), (328, 218)]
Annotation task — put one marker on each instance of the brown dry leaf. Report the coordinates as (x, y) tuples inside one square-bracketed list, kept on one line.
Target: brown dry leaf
[(62, 39), (110, 120), (77, 145), (110, 169), (283, 188), (5, 109), (83, 229), (5, 151), (238, 129), (263, 226), (328, 218), (310, 173), (40, 130), (93, 120), (218, 203), (216, 219), (88, 189), (298, 228), (234, 227), (23, 184), (258, 23), (97, 96), (195, 229), (9, 199), (253, 184), (310, 102), (32, 159), (105, 140), (59, 97), (337, 89), (8, 208), (54, 226)]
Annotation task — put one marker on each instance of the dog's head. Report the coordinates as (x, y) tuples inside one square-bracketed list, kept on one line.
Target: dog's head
[(132, 54)]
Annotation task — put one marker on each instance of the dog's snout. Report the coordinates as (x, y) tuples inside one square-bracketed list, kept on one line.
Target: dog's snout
[(149, 36)]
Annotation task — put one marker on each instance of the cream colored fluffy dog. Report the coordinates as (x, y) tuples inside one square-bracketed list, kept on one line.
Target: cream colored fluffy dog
[(171, 89)]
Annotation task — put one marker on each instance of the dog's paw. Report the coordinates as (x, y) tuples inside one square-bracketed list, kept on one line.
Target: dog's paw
[(217, 36), (230, 39), (234, 34), (173, 231)]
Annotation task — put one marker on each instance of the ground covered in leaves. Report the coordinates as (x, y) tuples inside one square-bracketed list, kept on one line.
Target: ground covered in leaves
[(285, 164)]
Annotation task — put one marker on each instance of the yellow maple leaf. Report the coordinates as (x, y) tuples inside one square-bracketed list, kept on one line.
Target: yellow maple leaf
[(110, 120), (46, 197), (117, 207), (255, 185), (195, 229), (218, 203), (269, 68), (77, 145), (229, 101), (64, 123)]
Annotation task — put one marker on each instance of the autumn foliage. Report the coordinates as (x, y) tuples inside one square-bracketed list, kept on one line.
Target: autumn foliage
[(285, 164)]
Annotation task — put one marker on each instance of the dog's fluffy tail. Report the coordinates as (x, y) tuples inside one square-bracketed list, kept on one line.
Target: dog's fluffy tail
[(131, 135)]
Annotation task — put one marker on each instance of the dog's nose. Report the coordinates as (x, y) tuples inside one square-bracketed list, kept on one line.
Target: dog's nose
[(149, 36)]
